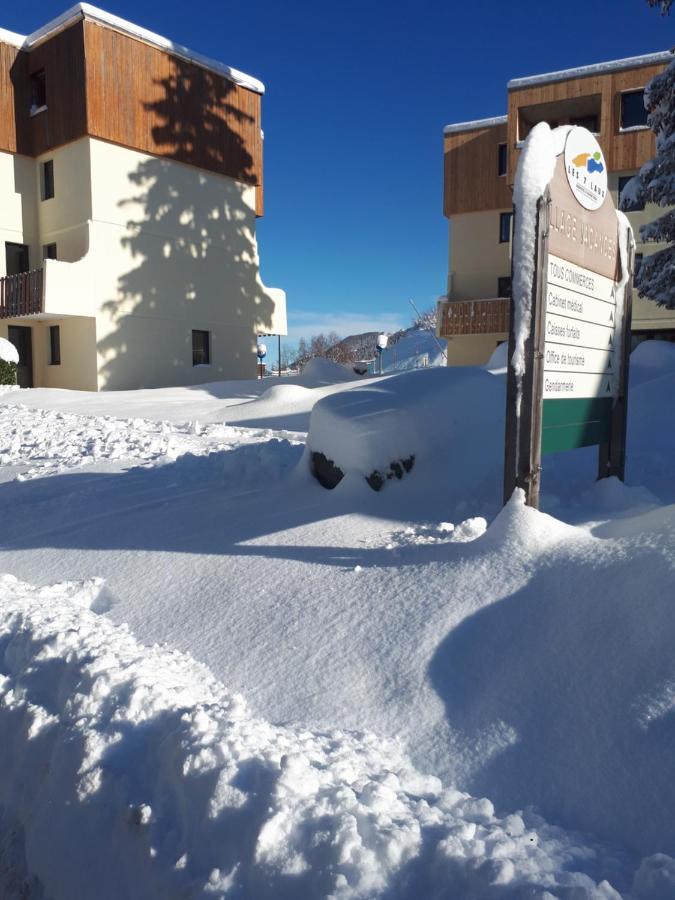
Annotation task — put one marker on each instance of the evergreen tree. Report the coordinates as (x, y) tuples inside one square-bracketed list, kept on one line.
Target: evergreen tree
[(655, 183)]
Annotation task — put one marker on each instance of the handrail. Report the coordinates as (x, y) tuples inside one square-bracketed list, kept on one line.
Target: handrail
[(22, 294)]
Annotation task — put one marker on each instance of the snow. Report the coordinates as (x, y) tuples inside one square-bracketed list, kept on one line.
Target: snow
[(87, 11), (130, 771), (370, 428), (8, 351), (441, 699), (616, 65), (413, 349), (475, 124), (534, 172)]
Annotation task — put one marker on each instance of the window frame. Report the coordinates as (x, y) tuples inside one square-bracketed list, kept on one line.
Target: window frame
[(204, 351), (47, 252), (502, 239), (54, 345), (38, 99), (502, 149), (628, 128), (501, 295), (47, 182)]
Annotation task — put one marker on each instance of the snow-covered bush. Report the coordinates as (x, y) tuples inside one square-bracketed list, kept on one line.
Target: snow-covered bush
[(9, 357), (655, 183)]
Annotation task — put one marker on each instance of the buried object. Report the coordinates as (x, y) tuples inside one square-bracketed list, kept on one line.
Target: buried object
[(329, 475)]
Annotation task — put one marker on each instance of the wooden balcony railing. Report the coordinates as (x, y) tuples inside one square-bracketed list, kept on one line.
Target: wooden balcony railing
[(460, 317), (22, 295)]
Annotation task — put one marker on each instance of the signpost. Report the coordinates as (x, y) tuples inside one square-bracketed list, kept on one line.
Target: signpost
[(573, 391)]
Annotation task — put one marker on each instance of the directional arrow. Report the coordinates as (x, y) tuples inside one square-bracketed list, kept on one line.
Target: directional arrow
[(608, 391), (610, 340), (611, 317), (609, 364)]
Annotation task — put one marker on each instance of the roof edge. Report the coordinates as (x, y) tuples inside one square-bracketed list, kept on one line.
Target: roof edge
[(94, 14), (475, 124), (616, 65)]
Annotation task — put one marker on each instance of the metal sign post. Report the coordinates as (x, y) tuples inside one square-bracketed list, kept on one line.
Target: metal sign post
[(573, 392)]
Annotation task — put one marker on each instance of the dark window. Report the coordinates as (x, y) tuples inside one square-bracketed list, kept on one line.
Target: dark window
[(633, 112), (38, 91), (638, 263), (623, 181), (505, 227), (54, 345), (49, 251), (201, 355), (47, 179), (504, 286), (501, 165), (589, 122), (16, 258)]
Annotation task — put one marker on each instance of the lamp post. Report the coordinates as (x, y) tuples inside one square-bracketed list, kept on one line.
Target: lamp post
[(382, 341), (261, 352)]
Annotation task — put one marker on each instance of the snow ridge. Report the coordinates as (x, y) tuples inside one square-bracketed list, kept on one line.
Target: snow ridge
[(137, 758)]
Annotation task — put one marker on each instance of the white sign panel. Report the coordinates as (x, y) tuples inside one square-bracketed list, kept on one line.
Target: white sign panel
[(579, 332), (586, 168)]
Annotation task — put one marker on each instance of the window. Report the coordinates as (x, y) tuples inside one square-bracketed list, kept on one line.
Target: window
[(201, 355), (588, 122), (49, 251), (501, 164), (505, 227), (47, 180), (633, 112), (637, 264), (504, 286), (54, 345), (634, 205), (38, 92)]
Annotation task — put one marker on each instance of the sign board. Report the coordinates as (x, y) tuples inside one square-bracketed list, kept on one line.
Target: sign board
[(577, 352)]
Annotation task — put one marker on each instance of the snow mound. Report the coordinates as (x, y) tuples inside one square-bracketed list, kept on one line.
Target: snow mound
[(285, 393), (418, 347), (319, 371), (129, 771), (433, 420), (652, 359), (498, 362), (8, 351)]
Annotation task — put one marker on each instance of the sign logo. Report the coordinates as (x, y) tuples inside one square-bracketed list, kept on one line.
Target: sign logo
[(586, 168)]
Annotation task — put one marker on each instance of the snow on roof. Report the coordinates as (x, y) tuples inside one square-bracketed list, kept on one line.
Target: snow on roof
[(86, 11), (630, 62), (475, 125)]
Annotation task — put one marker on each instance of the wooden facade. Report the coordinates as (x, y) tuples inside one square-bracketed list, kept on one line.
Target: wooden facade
[(463, 317), (107, 84), (624, 151), (471, 180), (471, 177)]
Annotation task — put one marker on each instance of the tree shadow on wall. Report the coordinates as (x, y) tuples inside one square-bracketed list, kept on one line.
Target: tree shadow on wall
[(191, 235)]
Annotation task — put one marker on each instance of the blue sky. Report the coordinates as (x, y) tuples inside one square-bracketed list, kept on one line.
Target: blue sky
[(357, 96)]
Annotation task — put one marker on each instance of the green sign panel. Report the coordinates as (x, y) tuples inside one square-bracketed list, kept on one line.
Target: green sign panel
[(577, 422)]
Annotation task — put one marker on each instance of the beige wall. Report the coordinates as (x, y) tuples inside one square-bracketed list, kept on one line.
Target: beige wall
[(473, 349), (477, 259), (18, 206), (77, 369), (148, 251)]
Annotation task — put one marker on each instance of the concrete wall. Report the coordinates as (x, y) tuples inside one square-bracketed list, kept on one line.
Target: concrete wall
[(473, 349), (477, 259), (77, 369)]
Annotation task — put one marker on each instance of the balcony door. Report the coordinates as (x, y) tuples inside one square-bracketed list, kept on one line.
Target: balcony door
[(16, 258), (22, 338)]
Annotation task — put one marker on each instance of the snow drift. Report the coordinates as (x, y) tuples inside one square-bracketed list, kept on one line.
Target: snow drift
[(129, 771)]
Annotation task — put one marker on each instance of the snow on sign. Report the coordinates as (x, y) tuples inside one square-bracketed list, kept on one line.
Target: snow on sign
[(571, 309)]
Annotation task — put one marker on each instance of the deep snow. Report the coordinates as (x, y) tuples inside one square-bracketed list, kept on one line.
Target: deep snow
[(529, 663)]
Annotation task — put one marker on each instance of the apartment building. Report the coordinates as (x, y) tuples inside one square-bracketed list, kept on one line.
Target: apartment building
[(480, 163), (130, 182)]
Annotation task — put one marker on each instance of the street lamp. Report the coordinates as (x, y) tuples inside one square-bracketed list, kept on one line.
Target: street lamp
[(382, 341)]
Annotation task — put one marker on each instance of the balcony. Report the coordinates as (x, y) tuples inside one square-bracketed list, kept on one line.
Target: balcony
[(462, 317), (22, 295)]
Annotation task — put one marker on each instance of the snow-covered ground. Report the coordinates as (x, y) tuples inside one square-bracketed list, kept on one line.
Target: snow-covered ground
[(399, 653)]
